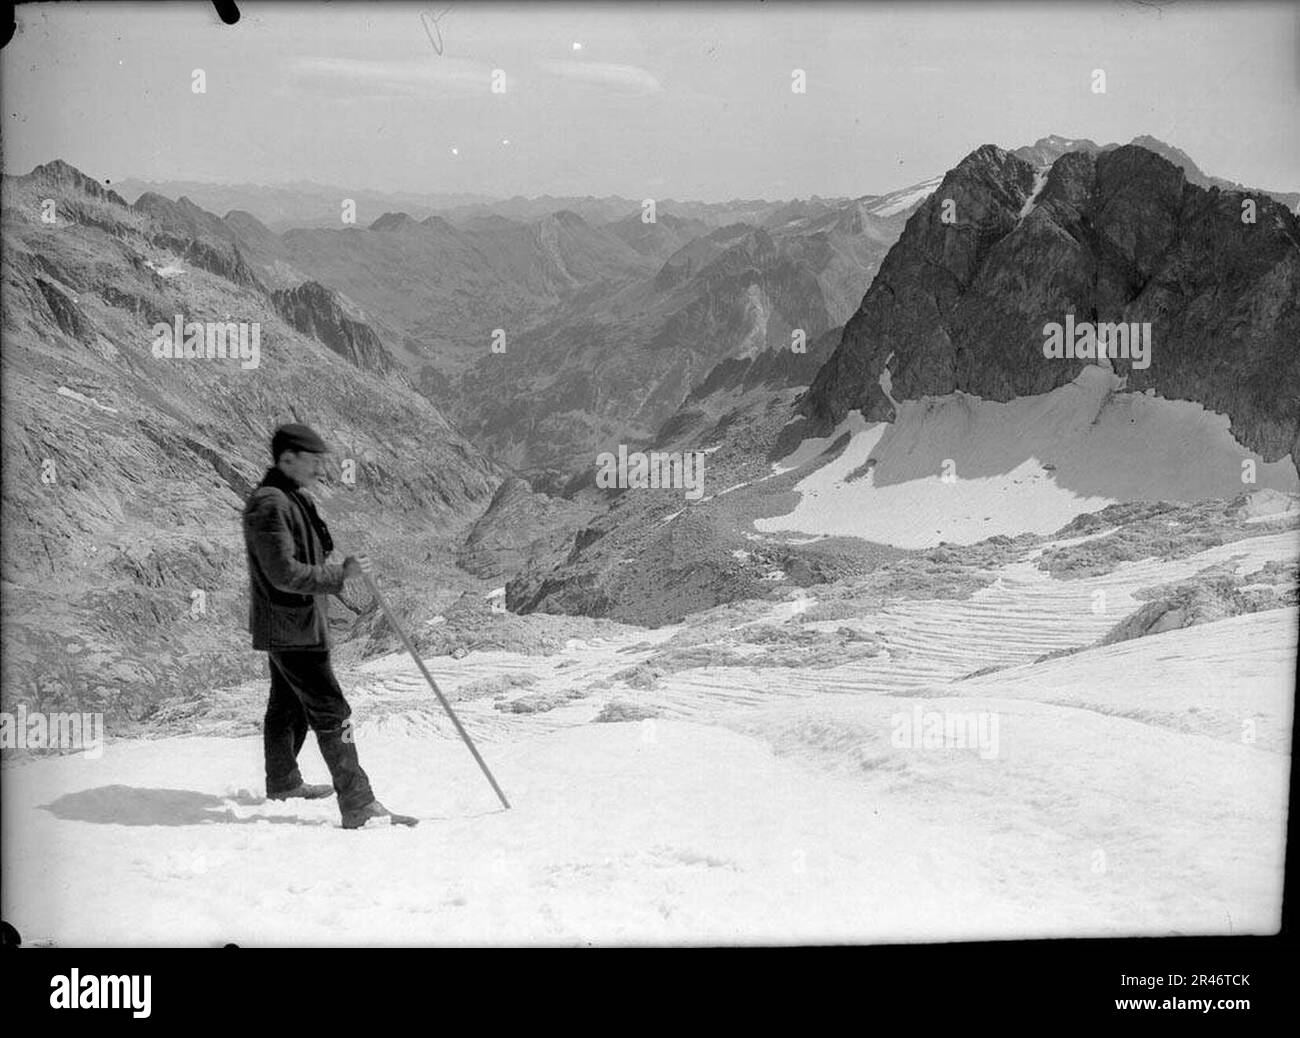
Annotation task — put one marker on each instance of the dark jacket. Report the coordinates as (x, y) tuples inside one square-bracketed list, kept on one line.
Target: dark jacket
[(287, 544)]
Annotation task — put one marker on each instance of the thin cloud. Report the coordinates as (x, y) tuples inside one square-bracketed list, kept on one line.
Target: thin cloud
[(425, 79), (628, 79)]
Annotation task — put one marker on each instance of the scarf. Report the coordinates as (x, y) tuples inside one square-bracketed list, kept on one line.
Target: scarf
[(275, 478)]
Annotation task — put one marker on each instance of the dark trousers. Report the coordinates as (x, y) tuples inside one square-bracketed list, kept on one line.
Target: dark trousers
[(305, 694)]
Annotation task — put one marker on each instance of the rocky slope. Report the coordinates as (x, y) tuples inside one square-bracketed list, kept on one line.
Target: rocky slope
[(518, 527), (125, 472), (660, 238), (439, 292)]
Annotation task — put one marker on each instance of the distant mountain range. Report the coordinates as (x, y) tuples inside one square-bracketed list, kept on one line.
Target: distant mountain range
[(525, 337), (297, 204), (602, 328), (305, 204)]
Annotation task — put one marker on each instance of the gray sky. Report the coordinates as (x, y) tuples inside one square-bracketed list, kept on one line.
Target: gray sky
[(661, 100)]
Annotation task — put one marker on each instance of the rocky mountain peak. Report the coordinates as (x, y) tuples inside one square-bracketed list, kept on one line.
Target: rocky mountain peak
[(437, 223), (1046, 150), (1119, 236), (394, 222), (59, 176), (1174, 155)]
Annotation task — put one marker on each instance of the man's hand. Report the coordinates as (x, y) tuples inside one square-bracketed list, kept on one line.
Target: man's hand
[(355, 565)]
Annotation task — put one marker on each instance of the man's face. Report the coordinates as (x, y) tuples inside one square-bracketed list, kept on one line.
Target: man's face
[(303, 467)]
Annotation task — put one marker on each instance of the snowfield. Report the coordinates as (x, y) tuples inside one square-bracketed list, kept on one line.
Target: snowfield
[(1135, 789), (1031, 464)]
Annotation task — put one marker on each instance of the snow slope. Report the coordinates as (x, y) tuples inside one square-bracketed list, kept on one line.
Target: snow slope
[(766, 804), (1031, 464), (1040, 181), (896, 201)]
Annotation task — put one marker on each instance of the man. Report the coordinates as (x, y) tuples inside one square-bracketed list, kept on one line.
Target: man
[(288, 546)]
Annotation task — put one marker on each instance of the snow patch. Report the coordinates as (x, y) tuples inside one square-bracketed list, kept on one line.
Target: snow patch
[(886, 381), (853, 423), (1103, 447), (1040, 178), (897, 201), (74, 395), (757, 312), (171, 270)]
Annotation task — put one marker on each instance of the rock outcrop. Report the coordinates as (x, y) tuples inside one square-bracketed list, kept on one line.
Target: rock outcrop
[(316, 311), (518, 527)]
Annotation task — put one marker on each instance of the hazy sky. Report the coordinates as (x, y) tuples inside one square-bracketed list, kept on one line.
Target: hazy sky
[(655, 100)]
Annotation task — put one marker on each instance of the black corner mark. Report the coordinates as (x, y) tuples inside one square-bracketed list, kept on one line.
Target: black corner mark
[(227, 11), (9, 936), (7, 24)]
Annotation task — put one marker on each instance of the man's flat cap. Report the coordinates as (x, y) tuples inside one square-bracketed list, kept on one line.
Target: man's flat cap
[(296, 438)]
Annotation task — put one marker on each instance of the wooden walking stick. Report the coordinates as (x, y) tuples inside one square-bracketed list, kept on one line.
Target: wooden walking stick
[(434, 685)]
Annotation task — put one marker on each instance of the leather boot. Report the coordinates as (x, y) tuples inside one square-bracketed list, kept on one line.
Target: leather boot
[(302, 791), (350, 781), (358, 818)]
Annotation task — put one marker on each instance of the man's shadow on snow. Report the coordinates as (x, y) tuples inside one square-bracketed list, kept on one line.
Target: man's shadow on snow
[(128, 805)]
